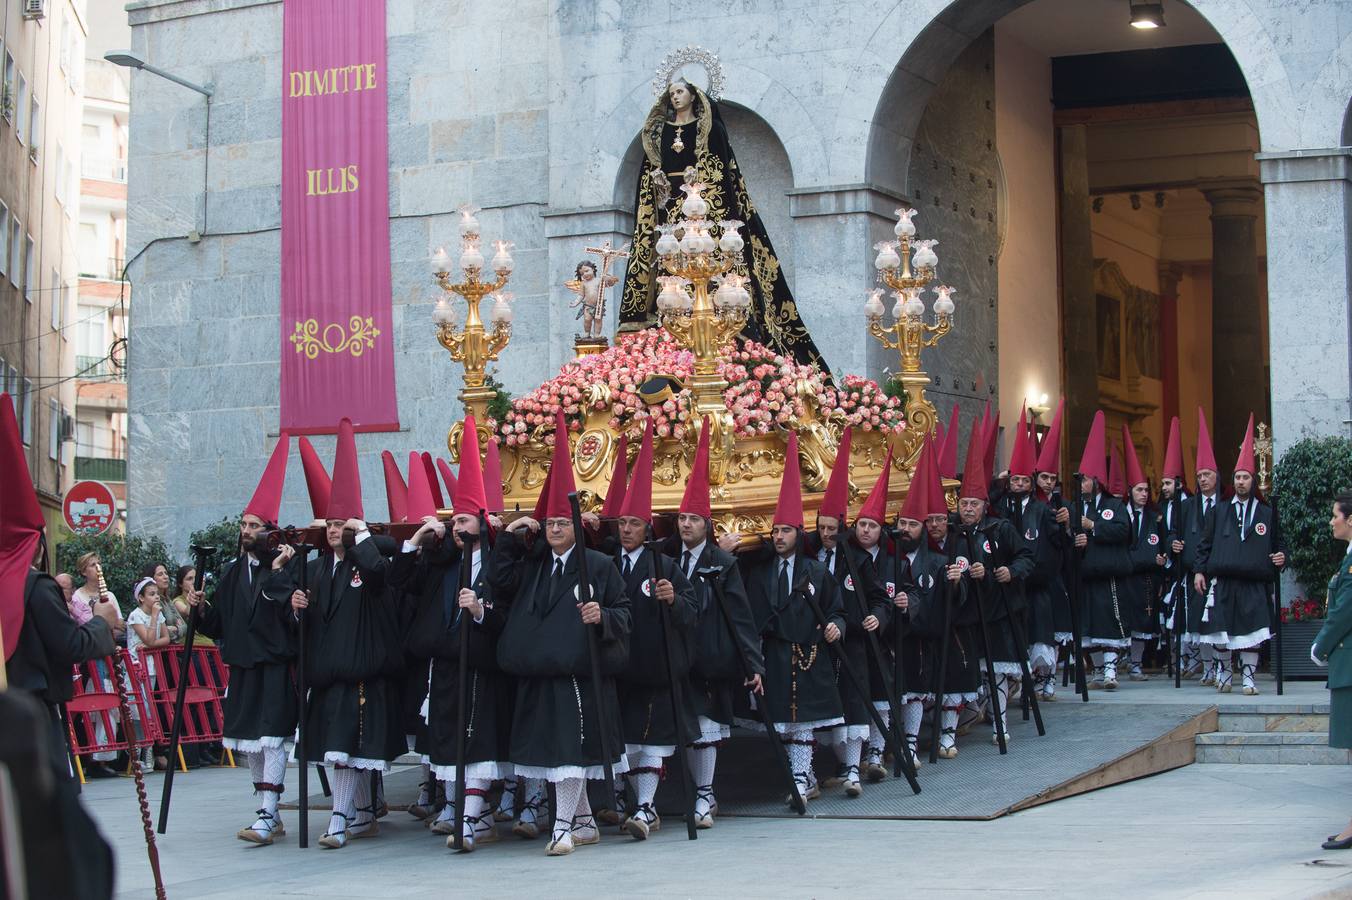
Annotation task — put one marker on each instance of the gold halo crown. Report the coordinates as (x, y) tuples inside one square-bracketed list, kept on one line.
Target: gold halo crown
[(684, 58)]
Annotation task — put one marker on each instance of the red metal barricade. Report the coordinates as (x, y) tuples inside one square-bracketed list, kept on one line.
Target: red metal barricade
[(207, 681), (94, 719)]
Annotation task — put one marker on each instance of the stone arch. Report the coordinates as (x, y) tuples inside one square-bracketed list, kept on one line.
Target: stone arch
[(891, 94)]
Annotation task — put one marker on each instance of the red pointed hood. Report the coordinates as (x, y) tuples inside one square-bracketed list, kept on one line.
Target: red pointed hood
[(345, 498), (1049, 456), (396, 492), (1206, 456), (1173, 454), (875, 504), (561, 482), (266, 502), (316, 478), (432, 478), (1094, 460), (493, 477), (21, 525), (1117, 479), (992, 433), (1021, 461), (447, 475), (470, 497), (542, 501), (1135, 475), (948, 455), (1245, 463), (935, 499), (789, 509), (974, 472), (835, 502), (916, 505), (619, 479), (421, 504), (638, 497), (695, 500)]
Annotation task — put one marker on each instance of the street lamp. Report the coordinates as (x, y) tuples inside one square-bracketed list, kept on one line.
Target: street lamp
[(132, 60)]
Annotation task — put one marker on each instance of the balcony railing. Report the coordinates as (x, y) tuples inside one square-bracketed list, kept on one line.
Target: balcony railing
[(98, 468), (103, 169), (109, 269), (97, 367)]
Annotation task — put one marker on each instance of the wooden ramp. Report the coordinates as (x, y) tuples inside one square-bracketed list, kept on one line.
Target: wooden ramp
[(1087, 746)]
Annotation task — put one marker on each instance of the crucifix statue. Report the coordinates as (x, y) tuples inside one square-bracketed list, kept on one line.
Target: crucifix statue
[(591, 285)]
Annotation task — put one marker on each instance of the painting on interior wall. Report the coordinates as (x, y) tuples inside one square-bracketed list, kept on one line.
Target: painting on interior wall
[(1143, 332), (1109, 337)]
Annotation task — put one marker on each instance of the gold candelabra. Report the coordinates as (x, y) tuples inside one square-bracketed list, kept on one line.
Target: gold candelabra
[(470, 343), (906, 266), (699, 321)]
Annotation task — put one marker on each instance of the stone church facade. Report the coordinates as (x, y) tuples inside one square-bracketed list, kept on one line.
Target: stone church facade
[(530, 109)]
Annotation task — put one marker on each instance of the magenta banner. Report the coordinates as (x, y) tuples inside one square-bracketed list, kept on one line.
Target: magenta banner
[(337, 340)]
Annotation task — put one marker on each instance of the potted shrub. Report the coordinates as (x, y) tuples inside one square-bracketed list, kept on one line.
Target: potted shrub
[(1306, 479)]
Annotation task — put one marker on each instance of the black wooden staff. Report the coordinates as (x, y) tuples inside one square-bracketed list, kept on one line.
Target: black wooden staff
[(986, 646), (669, 638), (711, 578), (462, 688), (898, 643), (594, 653), (1076, 528), (302, 707), (901, 764), (950, 589), (852, 677), (201, 556), (1277, 602), (1176, 599)]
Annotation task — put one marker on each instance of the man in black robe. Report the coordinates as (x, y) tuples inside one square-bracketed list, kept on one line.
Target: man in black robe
[(726, 641), (865, 607), (783, 584), (1041, 530), (254, 632), (1104, 536), (1186, 540), (63, 851), (1240, 554)]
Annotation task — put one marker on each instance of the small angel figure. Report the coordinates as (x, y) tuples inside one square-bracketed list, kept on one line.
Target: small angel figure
[(591, 297)]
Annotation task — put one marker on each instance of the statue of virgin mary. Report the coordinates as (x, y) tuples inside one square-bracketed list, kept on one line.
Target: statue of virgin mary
[(684, 130)]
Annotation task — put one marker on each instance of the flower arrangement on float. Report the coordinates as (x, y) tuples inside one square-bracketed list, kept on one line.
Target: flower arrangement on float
[(765, 391)]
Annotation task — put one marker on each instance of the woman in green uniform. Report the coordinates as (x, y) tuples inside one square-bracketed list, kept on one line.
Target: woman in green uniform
[(1330, 648)]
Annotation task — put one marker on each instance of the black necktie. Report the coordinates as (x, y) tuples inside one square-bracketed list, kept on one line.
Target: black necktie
[(1206, 506), (829, 554), (685, 562), (626, 567), (558, 573), (783, 585)]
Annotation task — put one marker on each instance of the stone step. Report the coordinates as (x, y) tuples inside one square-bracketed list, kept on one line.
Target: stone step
[(1280, 722), (1294, 755), (1263, 739), (1269, 748)]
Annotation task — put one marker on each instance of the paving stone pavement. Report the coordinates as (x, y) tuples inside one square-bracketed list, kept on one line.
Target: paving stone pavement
[(1200, 832)]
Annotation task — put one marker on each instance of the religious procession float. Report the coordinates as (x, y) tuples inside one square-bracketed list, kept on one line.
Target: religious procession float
[(708, 328)]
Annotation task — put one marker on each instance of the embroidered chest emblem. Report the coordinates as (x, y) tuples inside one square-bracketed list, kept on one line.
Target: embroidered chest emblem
[(1260, 529), (891, 589), (1153, 539), (849, 582), (356, 579), (963, 563), (986, 545), (1106, 515), (1030, 534)]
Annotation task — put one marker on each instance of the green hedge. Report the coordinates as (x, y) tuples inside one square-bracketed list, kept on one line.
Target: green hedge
[(1305, 481), (121, 556)]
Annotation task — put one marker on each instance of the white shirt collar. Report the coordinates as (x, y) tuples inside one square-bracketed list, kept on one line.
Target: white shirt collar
[(633, 555), (696, 551), (561, 557)]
